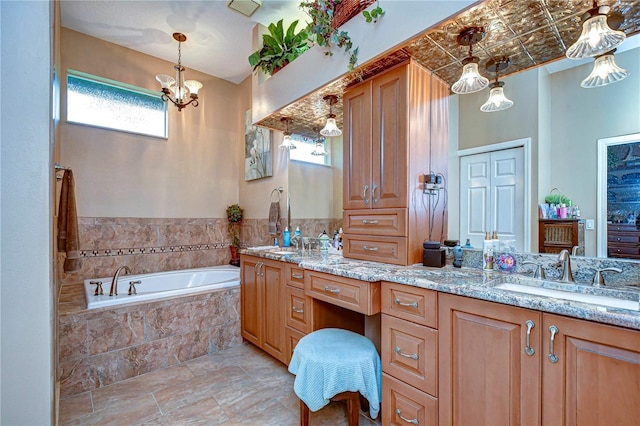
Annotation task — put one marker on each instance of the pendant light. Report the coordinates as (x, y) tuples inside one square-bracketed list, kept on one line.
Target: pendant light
[(331, 128), (497, 100), (287, 142), (597, 36), (605, 71), (470, 81), (180, 92), (319, 149)]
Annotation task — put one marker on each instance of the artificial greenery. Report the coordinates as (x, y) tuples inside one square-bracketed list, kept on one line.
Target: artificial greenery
[(279, 47), (234, 216), (323, 33), (375, 14)]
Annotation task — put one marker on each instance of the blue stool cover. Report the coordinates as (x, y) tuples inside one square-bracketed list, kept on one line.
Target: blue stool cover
[(330, 361)]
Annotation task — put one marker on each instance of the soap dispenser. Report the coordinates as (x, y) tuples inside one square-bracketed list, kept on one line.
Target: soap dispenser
[(286, 237), (325, 241)]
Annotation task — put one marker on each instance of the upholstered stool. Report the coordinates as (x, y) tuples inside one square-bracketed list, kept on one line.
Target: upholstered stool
[(336, 364)]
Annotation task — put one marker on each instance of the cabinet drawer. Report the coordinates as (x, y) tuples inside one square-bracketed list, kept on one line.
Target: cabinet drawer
[(409, 353), (356, 295), (295, 276), (403, 405), (627, 228), (389, 222), (411, 303), (292, 337), (613, 250), (298, 309), (377, 249)]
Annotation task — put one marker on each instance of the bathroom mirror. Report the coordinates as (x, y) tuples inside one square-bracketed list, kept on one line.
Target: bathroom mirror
[(574, 168)]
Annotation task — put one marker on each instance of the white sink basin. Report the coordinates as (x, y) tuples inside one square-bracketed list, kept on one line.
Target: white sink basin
[(611, 302)]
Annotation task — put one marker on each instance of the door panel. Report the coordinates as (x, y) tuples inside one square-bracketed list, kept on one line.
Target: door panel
[(357, 147)]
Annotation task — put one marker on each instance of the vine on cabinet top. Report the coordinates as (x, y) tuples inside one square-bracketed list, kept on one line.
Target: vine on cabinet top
[(280, 48)]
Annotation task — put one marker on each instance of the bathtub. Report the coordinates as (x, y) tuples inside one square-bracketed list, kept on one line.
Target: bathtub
[(161, 285)]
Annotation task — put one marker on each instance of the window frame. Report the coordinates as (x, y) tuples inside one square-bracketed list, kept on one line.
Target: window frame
[(118, 85)]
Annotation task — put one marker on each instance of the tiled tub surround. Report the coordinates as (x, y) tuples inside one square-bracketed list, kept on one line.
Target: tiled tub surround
[(471, 281), (103, 346)]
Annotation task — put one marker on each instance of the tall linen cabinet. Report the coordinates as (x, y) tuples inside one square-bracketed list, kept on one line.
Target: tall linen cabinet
[(395, 132)]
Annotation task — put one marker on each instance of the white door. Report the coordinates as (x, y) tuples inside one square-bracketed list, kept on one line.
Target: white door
[(492, 196)]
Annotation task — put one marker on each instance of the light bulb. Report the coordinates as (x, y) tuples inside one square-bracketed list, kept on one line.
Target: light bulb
[(193, 87), (605, 71), (497, 100)]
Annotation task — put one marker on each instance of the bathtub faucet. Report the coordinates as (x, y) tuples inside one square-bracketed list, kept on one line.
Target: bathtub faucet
[(114, 281)]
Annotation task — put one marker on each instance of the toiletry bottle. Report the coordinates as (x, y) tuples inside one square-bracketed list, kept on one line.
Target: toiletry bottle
[(275, 241), (340, 239), (286, 237), (325, 241), (335, 242), (487, 253), (297, 231), (496, 243)]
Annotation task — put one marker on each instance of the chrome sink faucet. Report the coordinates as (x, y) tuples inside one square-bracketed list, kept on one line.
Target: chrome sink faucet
[(565, 259), (538, 271), (298, 238), (114, 282)]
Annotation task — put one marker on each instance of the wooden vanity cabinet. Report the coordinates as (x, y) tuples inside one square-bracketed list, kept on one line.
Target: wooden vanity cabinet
[(389, 143), (298, 308), (262, 305), (596, 378), (409, 353), (486, 374)]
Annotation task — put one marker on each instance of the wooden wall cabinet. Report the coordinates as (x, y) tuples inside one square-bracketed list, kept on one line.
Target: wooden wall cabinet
[(555, 235), (390, 142), (262, 305)]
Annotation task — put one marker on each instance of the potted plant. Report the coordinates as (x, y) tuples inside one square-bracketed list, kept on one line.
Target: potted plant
[(234, 216), (279, 47)]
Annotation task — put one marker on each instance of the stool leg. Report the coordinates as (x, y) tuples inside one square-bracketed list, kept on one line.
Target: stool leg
[(304, 414), (353, 408)]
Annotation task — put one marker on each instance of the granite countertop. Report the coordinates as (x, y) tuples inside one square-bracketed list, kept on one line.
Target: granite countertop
[(471, 282)]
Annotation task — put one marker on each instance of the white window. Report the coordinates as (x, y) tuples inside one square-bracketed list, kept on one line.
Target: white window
[(99, 102), (304, 148)]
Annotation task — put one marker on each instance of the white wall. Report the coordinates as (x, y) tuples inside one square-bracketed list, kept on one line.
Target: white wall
[(26, 289)]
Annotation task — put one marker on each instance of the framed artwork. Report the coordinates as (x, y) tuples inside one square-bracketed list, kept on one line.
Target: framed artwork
[(258, 162)]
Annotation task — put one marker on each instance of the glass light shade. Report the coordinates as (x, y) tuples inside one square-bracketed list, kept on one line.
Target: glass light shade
[(180, 93), (193, 86), (596, 38), (287, 143), (166, 81), (605, 71), (470, 81), (331, 128), (319, 149), (497, 101)]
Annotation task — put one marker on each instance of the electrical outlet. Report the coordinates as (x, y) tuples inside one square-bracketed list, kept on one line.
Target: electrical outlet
[(588, 224)]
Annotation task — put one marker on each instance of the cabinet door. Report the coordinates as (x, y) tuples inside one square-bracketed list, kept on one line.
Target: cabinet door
[(273, 304), (486, 375), (596, 378), (357, 147), (389, 157), (250, 309)]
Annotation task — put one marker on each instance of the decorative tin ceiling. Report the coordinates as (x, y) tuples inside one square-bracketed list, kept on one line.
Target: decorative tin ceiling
[(530, 32)]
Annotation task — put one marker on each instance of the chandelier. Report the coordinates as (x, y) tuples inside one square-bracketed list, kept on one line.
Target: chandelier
[(180, 92), (497, 100), (331, 128), (470, 81), (597, 36)]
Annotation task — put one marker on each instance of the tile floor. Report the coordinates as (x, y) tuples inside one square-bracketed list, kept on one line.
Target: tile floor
[(241, 385)]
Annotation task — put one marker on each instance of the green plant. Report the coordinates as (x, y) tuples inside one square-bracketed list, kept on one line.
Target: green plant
[(323, 33), (234, 216), (375, 14), (279, 47)]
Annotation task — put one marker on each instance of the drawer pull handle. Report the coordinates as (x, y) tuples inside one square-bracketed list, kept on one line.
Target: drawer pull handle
[(411, 305), (552, 356), (412, 421), (297, 276), (399, 352), (528, 349), (373, 194), (364, 194), (370, 222), (297, 311), (332, 290), (366, 248)]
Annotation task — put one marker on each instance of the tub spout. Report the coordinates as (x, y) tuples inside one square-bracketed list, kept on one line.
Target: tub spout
[(114, 282)]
